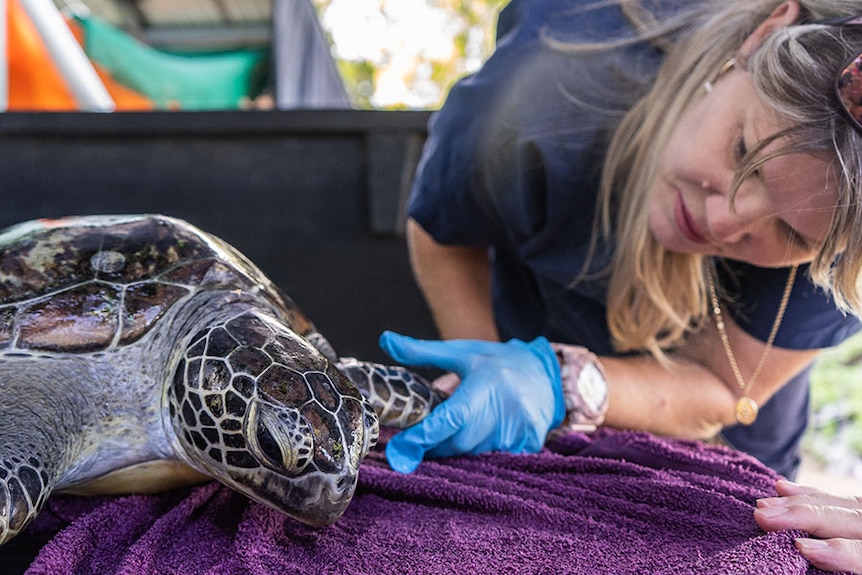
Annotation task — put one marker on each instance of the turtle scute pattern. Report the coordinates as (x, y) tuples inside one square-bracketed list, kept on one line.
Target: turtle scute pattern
[(86, 284), (171, 322), (259, 404), (400, 397), (230, 367)]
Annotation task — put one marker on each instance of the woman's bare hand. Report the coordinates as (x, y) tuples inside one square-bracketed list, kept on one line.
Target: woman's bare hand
[(834, 522)]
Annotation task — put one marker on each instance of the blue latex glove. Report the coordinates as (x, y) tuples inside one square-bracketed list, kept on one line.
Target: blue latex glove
[(510, 397)]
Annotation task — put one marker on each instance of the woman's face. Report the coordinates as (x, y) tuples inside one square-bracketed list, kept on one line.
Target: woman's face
[(781, 214)]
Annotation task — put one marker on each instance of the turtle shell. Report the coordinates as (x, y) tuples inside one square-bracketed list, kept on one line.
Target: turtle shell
[(85, 284)]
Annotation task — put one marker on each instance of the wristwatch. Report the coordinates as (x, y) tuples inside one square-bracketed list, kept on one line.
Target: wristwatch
[(585, 387)]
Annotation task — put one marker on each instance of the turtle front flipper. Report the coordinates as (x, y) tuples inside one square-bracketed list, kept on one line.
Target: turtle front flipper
[(23, 492), (400, 397)]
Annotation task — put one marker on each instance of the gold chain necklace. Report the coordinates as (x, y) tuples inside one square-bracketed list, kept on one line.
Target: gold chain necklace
[(746, 408)]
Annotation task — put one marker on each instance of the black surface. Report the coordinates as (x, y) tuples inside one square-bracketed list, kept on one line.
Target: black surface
[(312, 197)]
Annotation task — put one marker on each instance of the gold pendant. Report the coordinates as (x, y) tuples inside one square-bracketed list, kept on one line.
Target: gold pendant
[(746, 411)]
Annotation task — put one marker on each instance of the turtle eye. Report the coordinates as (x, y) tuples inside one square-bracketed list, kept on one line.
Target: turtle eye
[(279, 438), (269, 447)]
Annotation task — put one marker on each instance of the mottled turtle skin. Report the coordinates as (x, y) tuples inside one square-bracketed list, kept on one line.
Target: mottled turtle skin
[(138, 353)]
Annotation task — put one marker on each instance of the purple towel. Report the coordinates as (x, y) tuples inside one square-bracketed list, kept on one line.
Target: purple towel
[(610, 503)]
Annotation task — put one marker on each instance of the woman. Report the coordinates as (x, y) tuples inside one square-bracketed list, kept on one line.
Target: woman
[(670, 192)]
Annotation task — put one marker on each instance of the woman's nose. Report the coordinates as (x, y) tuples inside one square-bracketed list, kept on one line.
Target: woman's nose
[(731, 220)]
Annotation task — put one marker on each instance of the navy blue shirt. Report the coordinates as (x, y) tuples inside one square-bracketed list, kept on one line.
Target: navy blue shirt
[(513, 162)]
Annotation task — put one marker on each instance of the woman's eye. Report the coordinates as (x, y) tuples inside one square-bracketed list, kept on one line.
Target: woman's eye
[(741, 151), (798, 240)]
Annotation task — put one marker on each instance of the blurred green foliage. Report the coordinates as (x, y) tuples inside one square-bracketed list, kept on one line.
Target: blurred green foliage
[(834, 437)]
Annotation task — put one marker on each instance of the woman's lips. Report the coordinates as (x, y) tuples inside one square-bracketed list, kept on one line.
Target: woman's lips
[(685, 223)]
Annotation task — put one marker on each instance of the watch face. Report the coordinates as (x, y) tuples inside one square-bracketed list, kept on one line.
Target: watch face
[(592, 387)]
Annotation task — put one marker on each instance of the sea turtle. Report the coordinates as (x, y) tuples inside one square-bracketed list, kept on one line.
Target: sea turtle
[(138, 353)]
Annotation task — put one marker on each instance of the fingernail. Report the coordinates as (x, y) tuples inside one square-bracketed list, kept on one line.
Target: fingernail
[(771, 511), (772, 502), (811, 544)]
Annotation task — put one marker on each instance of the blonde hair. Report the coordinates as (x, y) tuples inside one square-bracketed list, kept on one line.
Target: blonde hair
[(656, 297)]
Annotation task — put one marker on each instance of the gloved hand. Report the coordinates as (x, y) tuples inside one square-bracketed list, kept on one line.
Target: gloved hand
[(510, 397)]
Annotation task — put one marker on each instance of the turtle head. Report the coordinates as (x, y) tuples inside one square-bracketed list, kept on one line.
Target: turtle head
[(263, 411)]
